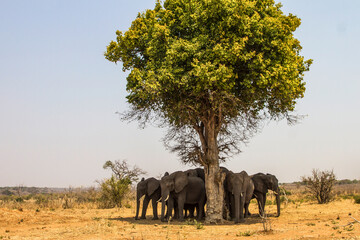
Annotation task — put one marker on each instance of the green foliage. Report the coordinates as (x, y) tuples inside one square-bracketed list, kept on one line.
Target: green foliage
[(347, 196), (347, 181), (357, 199), (197, 63), (198, 225), (7, 192), (283, 191), (113, 191)]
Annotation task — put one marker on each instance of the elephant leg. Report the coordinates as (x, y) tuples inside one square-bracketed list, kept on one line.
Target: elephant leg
[(200, 210), (232, 208), (170, 208), (246, 206), (192, 210), (264, 202), (145, 205), (180, 203), (259, 199), (154, 206), (226, 207), (176, 210)]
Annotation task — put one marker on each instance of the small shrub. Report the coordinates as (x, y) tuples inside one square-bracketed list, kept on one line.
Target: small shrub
[(320, 185), (114, 189), (357, 199), (198, 225)]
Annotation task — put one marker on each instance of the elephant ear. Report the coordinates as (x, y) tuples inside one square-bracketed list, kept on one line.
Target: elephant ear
[(152, 186), (180, 180)]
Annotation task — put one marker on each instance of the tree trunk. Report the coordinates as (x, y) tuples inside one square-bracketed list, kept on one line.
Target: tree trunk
[(214, 178), (214, 183), (215, 194)]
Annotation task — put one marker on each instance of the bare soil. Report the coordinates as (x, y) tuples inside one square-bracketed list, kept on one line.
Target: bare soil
[(297, 221)]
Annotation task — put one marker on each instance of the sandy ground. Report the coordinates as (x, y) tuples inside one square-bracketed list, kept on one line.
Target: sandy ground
[(297, 221)]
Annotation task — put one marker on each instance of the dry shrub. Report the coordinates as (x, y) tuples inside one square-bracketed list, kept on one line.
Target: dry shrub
[(320, 185)]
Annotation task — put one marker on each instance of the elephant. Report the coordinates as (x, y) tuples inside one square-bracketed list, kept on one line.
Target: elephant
[(197, 172), (152, 191), (264, 182), (181, 189), (238, 189)]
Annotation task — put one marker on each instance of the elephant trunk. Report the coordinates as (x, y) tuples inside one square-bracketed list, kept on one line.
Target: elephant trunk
[(164, 198), (237, 207), (242, 203), (277, 193), (137, 205)]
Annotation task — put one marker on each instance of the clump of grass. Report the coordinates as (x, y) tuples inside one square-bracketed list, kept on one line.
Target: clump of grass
[(310, 224), (96, 218), (244, 234), (334, 222), (347, 196), (349, 228), (197, 224)]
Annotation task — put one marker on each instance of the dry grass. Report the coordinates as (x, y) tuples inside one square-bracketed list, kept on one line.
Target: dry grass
[(299, 220)]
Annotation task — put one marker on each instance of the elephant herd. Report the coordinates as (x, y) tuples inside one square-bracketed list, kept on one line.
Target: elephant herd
[(184, 191)]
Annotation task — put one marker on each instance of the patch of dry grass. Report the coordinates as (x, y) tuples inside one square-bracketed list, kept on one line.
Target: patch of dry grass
[(298, 220)]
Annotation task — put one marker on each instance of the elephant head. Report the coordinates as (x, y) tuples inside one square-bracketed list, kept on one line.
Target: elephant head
[(145, 187), (197, 172), (170, 184)]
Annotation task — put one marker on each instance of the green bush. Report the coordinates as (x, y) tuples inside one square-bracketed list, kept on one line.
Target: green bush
[(347, 196), (357, 199), (19, 200), (113, 191)]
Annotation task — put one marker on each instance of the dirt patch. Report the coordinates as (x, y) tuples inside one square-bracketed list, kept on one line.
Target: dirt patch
[(297, 221)]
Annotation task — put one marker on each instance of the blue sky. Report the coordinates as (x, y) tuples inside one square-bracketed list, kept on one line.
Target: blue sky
[(58, 97)]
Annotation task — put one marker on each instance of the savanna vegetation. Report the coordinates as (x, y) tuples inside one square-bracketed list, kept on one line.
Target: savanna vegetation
[(79, 213)]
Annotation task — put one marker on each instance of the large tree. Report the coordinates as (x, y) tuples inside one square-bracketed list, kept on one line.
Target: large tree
[(212, 71)]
